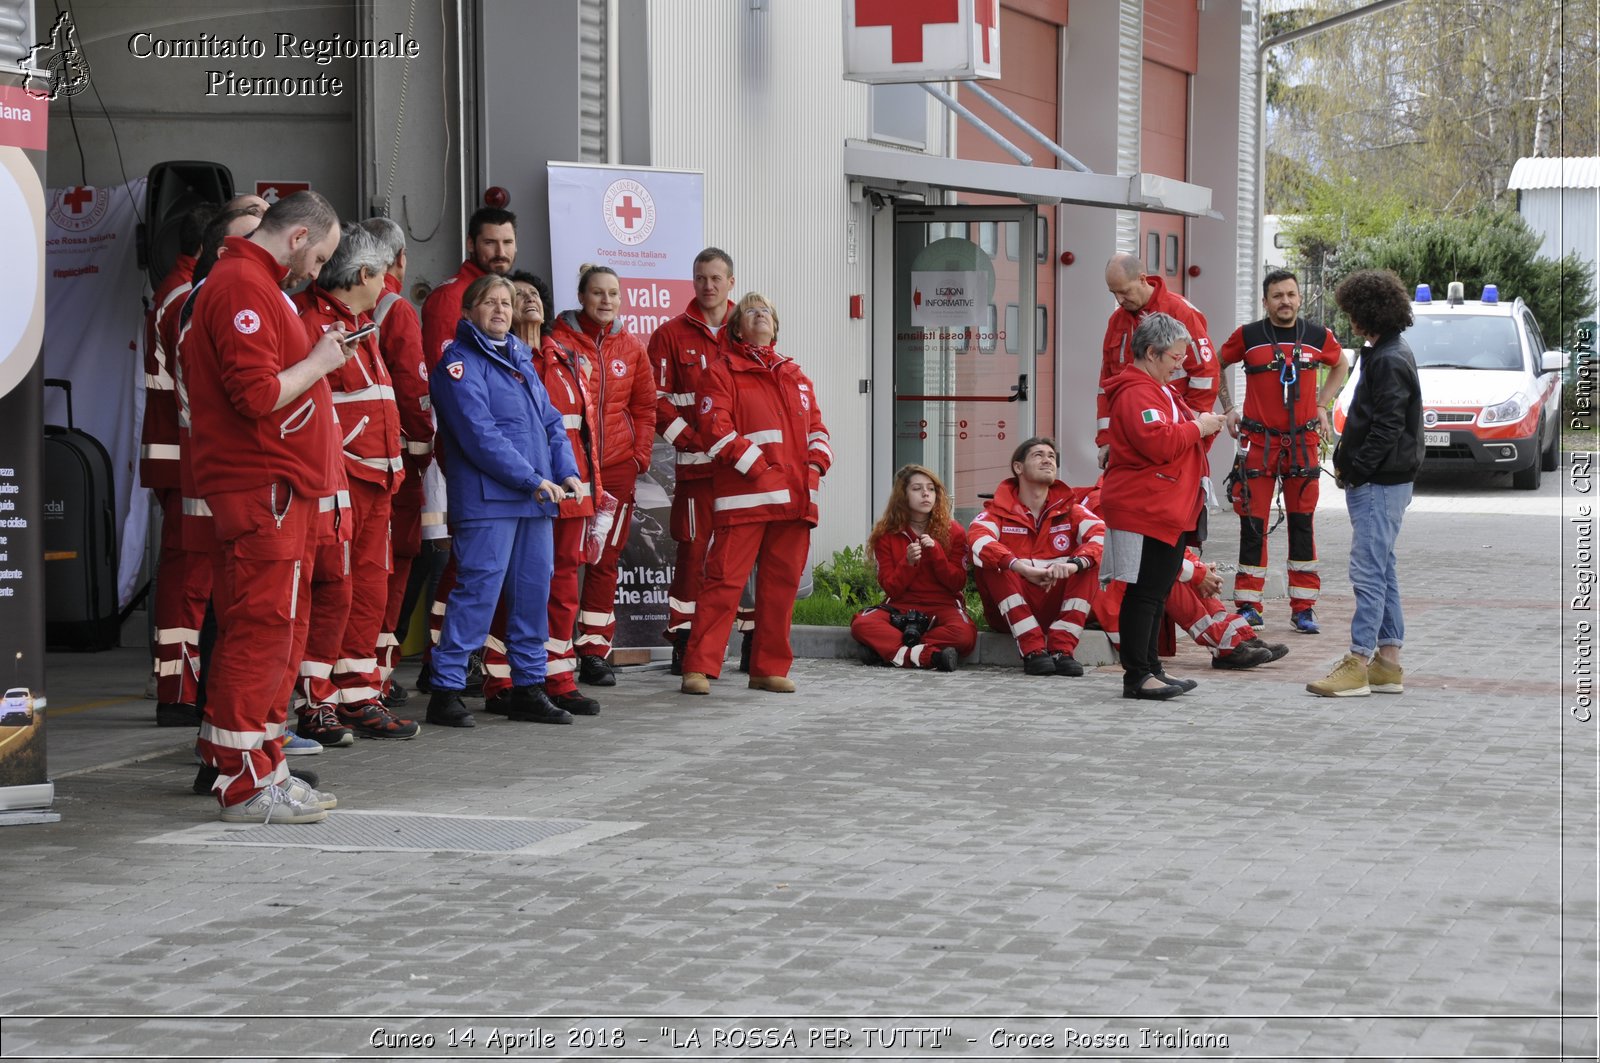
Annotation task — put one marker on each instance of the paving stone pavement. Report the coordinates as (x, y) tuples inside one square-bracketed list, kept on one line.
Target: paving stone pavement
[(1390, 876)]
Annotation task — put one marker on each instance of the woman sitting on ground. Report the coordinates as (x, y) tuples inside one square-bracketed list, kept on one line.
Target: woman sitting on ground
[(921, 557)]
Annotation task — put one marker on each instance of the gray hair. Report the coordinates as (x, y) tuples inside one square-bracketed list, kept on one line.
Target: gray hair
[(390, 236), (1158, 331), (358, 250)]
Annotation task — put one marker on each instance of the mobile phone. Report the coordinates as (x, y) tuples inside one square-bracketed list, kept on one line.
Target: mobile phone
[(361, 333)]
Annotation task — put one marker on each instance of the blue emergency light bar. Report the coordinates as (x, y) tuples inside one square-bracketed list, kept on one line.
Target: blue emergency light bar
[(1491, 294), (1424, 294)]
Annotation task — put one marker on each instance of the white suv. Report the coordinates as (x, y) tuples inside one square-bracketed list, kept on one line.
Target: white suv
[(1491, 390)]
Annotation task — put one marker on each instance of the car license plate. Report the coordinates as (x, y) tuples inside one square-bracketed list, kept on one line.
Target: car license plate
[(1436, 439)]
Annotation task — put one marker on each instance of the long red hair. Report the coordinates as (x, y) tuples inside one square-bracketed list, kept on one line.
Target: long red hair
[(897, 514)]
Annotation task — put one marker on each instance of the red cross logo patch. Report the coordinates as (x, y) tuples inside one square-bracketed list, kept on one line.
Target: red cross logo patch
[(805, 401), (1061, 542), (619, 368), (705, 404), (456, 370), (247, 321)]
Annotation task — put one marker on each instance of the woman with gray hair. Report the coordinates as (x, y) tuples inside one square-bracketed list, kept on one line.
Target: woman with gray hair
[(338, 693), (1152, 497)]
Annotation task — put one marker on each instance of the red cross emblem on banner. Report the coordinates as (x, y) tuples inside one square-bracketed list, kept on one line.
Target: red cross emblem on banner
[(906, 19), (77, 199), (628, 212)]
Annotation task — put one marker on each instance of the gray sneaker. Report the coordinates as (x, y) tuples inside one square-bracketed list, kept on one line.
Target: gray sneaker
[(302, 791), (272, 804)]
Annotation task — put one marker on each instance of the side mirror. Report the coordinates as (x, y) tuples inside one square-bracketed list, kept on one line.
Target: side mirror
[(1553, 362)]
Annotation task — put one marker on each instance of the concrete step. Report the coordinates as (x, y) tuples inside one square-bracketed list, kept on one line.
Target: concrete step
[(808, 640)]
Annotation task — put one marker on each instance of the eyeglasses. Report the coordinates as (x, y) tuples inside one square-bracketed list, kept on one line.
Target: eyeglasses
[(758, 311)]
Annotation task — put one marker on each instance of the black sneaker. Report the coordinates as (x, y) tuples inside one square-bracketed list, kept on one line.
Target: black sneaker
[(397, 695), (744, 653), (176, 715), (1243, 656), (680, 646), (446, 710), (321, 724), (370, 719), (530, 704), (575, 703), (596, 671), (947, 659), (1277, 649), (1039, 663), (1066, 664)]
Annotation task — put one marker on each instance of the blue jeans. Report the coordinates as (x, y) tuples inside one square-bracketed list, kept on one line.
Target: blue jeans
[(1376, 511)]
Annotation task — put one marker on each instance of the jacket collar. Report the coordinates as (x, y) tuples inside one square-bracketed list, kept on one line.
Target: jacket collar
[(1008, 499), (254, 252), (511, 356), (698, 317)]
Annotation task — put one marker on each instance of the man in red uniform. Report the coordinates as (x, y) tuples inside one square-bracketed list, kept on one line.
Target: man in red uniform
[(1139, 295), (183, 579), (491, 248), (400, 347), (1036, 558), (266, 452), (681, 351), (1285, 418), (339, 673)]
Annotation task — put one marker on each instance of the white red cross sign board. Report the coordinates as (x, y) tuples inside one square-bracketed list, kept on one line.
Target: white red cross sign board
[(272, 191), (889, 41)]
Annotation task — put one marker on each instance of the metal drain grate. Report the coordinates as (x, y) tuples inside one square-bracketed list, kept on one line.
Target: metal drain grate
[(406, 832)]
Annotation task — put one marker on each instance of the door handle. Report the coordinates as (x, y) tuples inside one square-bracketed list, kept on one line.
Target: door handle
[(1019, 390)]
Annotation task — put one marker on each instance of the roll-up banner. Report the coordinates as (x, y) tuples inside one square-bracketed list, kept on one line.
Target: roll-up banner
[(24, 779), (647, 225)]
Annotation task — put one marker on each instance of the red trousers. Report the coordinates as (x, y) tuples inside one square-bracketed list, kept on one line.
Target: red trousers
[(260, 594), (951, 627), (1206, 620), (597, 608), (183, 586), (405, 543), (690, 525), (1270, 462), (1011, 603), (355, 669), (779, 548)]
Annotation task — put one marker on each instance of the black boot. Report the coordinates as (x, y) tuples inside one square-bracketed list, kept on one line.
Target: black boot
[(744, 653), (446, 710), (531, 704), (575, 703), (680, 646), (596, 671), (174, 715)]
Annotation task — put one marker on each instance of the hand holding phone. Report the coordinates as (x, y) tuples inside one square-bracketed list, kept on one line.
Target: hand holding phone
[(360, 334)]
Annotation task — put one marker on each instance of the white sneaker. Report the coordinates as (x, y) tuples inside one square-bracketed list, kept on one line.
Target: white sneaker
[(273, 804), (301, 791)]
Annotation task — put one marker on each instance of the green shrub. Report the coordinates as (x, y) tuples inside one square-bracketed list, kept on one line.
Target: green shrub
[(847, 584)]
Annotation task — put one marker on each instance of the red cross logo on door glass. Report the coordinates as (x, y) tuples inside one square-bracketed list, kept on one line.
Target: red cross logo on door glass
[(905, 19)]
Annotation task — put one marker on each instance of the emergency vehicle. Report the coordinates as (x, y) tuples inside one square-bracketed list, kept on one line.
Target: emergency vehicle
[(1491, 389)]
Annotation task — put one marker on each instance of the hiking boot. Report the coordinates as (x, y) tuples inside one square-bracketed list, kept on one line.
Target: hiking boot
[(574, 703), (695, 683), (303, 792), (1347, 680), (1066, 664), (499, 705), (171, 715), (596, 671), (1305, 622), (1039, 663), (397, 696), (1252, 616), (321, 724), (370, 719), (680, 646), (530, 704), (273, 804), (295, 746), (1241, 657), (1385, 678), (1277, 650), (474, 688), (947, 659), (772, 684), (744, 652), (446, 710)]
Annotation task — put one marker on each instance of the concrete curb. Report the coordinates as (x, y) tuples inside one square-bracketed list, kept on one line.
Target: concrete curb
[(828, 643)]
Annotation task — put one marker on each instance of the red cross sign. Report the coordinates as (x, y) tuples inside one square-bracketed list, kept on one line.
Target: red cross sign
[(905, 19), (628, 212), (77, 199), (904, 41)]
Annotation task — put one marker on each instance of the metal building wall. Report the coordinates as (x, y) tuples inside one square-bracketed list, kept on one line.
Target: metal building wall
[(755, 99), (1565, 219)]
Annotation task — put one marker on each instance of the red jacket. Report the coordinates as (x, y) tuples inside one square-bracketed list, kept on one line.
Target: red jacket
[(624, 390), (400, 347), (572, 399), (362, 392), (1153, 475), (1199, 379), (681, 350), (442, 310), (158, 438), (761, 414), (243, 332), (1006, 530), (936, 581)]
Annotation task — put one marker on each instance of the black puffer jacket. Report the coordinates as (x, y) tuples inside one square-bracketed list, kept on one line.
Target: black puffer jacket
[(1382, 441)]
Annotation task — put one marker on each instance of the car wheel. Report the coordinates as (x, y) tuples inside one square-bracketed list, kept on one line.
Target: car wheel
[(1528, 479), (1550, 456)]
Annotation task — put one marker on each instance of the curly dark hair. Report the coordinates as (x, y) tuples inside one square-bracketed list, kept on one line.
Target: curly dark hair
[(1375, 301)]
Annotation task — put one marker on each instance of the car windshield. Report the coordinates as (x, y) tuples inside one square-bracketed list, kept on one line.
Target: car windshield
[(1467, 341)]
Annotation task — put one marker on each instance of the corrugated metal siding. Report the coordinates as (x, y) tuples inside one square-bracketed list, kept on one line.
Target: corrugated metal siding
[(592, 87), (755, 99), (1577, 172), (1250, 162), (1130, 69), (1566, 220)]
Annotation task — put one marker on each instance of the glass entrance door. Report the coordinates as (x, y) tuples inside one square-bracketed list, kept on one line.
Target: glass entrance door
[(965, 340)]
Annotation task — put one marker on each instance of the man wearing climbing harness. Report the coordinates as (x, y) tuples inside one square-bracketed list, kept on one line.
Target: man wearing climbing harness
[(1280, 432)]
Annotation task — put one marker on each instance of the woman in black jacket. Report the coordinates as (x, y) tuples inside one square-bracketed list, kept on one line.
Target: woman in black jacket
[(1375, 462)]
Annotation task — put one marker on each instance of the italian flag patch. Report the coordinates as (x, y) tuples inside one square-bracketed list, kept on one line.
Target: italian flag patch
[(1150, 416)]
